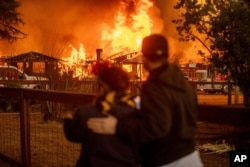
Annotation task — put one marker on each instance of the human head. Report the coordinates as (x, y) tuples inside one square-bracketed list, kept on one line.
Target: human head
[(114, 78), (154, 49)]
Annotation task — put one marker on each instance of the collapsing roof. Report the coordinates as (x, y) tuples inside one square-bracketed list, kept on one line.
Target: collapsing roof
[(135, 60)]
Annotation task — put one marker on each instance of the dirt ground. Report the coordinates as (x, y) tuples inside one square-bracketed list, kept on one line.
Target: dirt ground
[(5, 164), (214, 140)]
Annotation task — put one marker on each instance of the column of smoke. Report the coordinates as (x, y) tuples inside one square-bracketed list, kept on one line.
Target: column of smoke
[(53, 25)]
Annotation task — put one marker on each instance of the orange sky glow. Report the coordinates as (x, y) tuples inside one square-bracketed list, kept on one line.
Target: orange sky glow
[(61, 28)]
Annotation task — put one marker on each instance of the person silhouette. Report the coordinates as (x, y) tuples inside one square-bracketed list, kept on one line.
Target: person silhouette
[(104, 150), (166, 125)]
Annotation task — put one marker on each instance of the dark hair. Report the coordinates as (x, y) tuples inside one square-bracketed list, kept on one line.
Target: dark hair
[(155, 47), (116, 78)]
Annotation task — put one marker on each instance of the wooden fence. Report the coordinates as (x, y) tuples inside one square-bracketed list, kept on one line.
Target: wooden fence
[(24, 125)]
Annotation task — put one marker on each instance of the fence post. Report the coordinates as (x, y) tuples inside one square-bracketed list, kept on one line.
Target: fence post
[(25, 132), (236, 94), (229, 95)]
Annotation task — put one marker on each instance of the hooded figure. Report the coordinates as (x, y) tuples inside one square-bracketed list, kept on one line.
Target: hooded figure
[(167, 121), (101, 150), (166, 125)]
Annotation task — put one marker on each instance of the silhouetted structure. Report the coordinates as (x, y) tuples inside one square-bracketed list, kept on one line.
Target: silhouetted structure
[(34, 63)]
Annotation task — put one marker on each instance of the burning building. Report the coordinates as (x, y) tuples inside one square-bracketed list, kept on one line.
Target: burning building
[(33, 63), (72, 30)]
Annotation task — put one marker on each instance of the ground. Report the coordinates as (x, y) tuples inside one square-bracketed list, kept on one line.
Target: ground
[(214, 140)]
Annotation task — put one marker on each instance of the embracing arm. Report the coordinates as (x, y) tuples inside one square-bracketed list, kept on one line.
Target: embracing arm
[(74, 127), (152, 121)]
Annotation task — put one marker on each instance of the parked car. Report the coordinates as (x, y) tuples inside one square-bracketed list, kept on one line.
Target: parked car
[(10, 75)]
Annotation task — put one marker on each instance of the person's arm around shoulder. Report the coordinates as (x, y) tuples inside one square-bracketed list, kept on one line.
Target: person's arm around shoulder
[(73, 125), (152, 121)]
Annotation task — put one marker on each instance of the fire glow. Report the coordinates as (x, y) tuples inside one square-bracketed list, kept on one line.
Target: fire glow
[(131, 23), (129, 28)]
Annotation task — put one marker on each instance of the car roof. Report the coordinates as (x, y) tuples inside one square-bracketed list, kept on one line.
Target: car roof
[(10, 67)]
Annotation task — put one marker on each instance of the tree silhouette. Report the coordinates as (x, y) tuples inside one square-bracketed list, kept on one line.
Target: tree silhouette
[(223, 28), (10, 20)]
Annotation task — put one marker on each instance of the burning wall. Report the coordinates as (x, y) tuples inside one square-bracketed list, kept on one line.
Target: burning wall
[(55, 25)]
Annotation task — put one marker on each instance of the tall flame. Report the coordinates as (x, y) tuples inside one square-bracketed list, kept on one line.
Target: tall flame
[(77, 56), (76, 62), (132, 23)]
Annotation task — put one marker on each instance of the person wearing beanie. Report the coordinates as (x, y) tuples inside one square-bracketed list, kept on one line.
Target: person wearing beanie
[(101, 150), (166, 124)]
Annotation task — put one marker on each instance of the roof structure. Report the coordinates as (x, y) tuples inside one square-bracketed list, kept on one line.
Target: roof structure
[(135, 60), (130, 58), (31, 56)]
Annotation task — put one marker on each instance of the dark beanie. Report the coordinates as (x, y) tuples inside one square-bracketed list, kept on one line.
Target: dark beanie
[(155, 46), (115, 77)]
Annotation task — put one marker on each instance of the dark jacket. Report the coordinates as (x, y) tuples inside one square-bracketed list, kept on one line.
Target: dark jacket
[(166, 125), (102, 150)]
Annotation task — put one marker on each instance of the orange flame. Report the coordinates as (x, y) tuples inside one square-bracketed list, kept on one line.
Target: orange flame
[(132, 23), (77, 56), (76, 62), (129, 28)]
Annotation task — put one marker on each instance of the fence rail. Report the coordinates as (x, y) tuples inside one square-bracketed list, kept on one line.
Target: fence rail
[(24, 95), (27, 140)]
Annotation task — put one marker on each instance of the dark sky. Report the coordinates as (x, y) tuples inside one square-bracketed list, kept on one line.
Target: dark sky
[(53, 25)]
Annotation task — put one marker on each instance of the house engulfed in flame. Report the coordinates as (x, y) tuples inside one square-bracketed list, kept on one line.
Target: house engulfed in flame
[(34, 63)]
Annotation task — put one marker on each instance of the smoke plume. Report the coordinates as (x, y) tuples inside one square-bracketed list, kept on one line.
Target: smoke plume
[(54, 25)]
